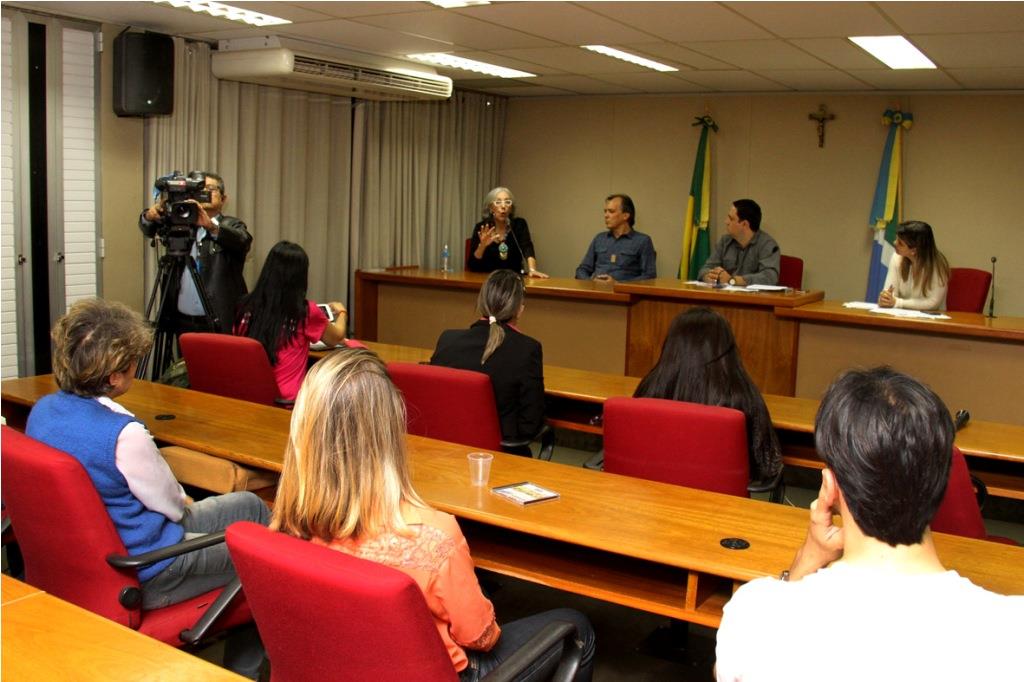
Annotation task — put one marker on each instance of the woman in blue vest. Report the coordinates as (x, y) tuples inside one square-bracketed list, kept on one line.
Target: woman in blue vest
[(97, 346)]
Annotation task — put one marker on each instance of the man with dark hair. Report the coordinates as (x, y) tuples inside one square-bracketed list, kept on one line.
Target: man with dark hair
[(219, 249), (620, 253), (885, 608), (744, 255)]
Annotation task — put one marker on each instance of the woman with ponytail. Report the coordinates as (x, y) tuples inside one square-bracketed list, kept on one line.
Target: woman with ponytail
[(493, 345)]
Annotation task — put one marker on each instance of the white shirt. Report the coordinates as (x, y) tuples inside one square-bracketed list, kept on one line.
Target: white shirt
[(857, 624), (908, 292), (140, 462)]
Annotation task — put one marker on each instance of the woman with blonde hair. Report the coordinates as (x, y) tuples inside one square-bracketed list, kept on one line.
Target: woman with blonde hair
[(495, 346), (346, 485)]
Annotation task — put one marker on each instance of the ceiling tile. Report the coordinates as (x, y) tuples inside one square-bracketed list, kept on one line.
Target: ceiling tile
[(349, 34), (955, 17), (758, 54), (583, 85), (456, 28), (906, 79), (508, 62), (293, 11), (973, 50), (810, 80), (678, 55), (573, 59), (733, 81), (995, 79), (562, 22), (804, 19), (529, 91), (680, 21), (343, 10), (653, 82), (839, 52)]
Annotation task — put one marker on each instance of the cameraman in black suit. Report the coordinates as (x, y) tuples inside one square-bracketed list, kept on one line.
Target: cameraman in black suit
[(219, 250)]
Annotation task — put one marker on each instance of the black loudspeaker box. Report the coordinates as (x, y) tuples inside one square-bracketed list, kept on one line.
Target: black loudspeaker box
[(143, 74)]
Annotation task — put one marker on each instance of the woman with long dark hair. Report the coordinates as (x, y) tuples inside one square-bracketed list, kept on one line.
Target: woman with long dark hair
[(700, 363), (277, 314), (918, 272), (495, 346)]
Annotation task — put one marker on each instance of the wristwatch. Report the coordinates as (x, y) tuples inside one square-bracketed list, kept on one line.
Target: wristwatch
[(732, 281)]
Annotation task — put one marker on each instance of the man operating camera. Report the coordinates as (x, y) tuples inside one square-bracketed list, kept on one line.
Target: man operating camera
[(219, 248)]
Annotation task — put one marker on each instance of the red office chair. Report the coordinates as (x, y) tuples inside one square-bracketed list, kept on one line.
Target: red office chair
[(676, 442), (231, 366), (960, 511), (325, 615), (791, 272), (465, 263), (72, 550), (456, 405), (968, 289)]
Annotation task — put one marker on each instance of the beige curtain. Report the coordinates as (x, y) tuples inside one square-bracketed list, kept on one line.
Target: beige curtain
[(420, 173), (285, 157)]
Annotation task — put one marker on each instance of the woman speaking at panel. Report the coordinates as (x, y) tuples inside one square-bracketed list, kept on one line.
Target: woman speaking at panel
[(918, 272), (501, 241)]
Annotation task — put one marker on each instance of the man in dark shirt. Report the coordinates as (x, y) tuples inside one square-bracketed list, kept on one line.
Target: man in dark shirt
[(621, 253)]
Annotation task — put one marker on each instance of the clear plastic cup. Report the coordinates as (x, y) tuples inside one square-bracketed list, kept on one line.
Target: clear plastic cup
[(479, 467)]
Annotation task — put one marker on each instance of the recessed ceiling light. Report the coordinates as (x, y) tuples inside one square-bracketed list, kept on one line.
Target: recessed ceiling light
[(452, 4), (226, 11), (896, 52), (627, 57), (451, 61)]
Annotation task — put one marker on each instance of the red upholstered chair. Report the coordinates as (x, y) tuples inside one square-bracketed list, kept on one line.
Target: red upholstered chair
[(231, 366), (968, 289), (960, 512), (676, 442), (325, 615), (465, 263), (70, 547), (457, 405), (791, 272)]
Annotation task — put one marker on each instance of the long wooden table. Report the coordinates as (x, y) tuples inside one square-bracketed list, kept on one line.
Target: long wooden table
[(994, 451), (47, 638), (584, 324), (638, 543), (970, 360)]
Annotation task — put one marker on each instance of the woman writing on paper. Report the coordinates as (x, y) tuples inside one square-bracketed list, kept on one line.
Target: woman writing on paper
[(918, 272), (346, 485), (501, 241), (277, 314), (700, 363)]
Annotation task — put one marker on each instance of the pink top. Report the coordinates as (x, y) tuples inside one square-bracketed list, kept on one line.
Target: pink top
[(293, 356), (437, 558)]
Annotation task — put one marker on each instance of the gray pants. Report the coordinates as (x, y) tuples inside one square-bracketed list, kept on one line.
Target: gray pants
[(192, 574)]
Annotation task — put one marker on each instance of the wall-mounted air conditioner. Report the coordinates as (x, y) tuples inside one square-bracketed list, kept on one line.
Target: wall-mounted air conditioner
[(267, 61)]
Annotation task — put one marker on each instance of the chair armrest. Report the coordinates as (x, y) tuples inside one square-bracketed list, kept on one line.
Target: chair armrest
[(286, 404), (526, 655), (980, 490), (770, 484), (197, 632), (546, 436), (137, 560)]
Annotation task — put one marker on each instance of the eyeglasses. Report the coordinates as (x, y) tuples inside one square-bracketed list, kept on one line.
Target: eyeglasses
[(502, 202)]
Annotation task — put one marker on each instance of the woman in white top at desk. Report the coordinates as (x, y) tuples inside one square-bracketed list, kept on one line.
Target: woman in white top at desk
[(918, 272)]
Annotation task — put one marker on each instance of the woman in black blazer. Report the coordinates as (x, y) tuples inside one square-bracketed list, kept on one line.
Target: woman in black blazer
[(493, 345)]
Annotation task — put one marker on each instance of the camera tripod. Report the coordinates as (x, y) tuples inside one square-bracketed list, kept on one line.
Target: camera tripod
[(173, 266)]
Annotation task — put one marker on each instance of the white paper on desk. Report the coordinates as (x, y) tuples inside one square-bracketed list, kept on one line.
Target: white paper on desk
[(861, 305), (913, 314), (697, 282), (320, 345), (766, 287)]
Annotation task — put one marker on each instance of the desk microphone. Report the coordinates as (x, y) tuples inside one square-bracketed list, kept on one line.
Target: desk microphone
[(522, 256), (992, 301)]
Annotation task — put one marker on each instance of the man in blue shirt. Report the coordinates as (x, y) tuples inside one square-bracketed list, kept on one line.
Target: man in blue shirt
[(620, 254)]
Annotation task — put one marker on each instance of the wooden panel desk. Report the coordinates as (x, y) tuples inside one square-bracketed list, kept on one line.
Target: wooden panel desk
[(412, 308), (970, 360), (46, 638), (642, 544)]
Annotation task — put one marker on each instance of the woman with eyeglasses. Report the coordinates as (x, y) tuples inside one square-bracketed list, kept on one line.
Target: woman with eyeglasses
[(700, 363), (918, 272), (501, 241)]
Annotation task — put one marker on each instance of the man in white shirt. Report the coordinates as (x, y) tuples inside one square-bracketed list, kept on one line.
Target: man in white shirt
[(869, 599)]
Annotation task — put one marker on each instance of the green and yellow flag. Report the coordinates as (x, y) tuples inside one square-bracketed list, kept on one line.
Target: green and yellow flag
[(696, 241)]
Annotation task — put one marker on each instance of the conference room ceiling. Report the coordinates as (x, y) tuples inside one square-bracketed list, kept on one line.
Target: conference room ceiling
[(717, 46)]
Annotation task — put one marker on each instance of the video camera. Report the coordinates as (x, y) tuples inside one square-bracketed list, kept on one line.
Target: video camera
[(180, 195)]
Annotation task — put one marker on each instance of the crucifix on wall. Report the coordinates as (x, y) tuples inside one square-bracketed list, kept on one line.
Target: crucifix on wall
[(822, 116)]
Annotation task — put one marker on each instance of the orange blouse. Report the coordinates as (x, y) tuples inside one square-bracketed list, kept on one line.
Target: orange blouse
[(437, 558)]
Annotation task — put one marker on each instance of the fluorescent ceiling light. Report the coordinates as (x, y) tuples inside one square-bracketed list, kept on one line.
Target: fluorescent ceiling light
[(226, 11), (627, 57), (896, 52), (453, 62), (452, 4)]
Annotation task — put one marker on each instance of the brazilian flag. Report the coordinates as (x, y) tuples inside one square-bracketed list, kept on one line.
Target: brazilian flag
[(696, 241)]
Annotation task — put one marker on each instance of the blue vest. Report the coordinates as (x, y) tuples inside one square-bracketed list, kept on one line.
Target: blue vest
[(88, 431)]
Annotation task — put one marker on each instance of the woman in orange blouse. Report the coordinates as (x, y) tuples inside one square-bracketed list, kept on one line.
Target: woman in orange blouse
[(345, 484)]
